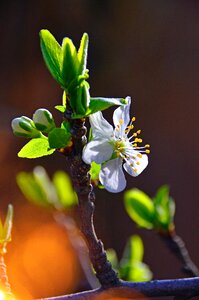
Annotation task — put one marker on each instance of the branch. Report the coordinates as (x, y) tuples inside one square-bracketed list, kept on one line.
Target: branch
[(177, 247), (188, 287), (82, 185)]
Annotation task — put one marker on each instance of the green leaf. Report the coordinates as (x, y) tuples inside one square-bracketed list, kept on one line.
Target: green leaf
[(131, 266), (100, 103), (66, 195), (32, 189), (140, 208), (61, 108), (164, 209), (70, 61), (112, 257), (82, 53), (59, 138), (52, 54), (139, 272), (94, 171), (35, 148)]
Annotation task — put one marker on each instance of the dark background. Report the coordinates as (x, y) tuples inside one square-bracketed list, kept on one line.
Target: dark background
[(146, 49)]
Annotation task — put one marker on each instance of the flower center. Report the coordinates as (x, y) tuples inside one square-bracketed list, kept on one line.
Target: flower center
[(127, 146)]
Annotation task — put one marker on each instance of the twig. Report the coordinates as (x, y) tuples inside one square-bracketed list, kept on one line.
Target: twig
[(177, 247), (82, 185), (188, 287)]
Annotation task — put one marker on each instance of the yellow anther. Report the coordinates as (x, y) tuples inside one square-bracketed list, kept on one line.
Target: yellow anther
[(131, 165), (135, 170), (147, 146), (130, 126), (135, 134), (133, 157), (137, 140), (133, 119), (147, 151), (135, 145), (139, 131), (121, 121), (138, 163), (139, 155)]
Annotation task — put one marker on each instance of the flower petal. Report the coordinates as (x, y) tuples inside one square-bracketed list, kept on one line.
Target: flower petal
[(112, 176), (122, 113), (100, 127), (98, 151), (134, 166)]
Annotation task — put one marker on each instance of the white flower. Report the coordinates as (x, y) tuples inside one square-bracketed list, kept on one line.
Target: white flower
[(113, 147)]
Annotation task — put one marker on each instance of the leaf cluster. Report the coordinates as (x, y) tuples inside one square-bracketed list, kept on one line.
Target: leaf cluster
[(39, 189), (131, 266), (157, 213)]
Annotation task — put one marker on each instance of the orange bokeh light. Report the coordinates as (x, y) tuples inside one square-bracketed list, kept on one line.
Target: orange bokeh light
[(43, 262)]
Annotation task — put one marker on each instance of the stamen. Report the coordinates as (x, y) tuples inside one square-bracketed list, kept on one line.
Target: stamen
[(138, 163), (139, 155), (147, 151), (133, 119), (121, 121)]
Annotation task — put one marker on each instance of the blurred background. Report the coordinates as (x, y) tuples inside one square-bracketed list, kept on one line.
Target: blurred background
[(146, 49)]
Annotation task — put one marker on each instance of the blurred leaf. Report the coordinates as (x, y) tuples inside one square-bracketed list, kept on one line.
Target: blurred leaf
[(139, 207), (35, 148), (43, 180), (131, 266), (32, 189), (112, 257), (82, 53), (66, 195), (58, 138), (139, 272), (52, 54), (164, 209)]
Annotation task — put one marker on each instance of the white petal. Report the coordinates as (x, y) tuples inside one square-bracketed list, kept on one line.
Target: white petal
[(139, 164), (112, 176), (98, 151), (122, 113), (100, 127)]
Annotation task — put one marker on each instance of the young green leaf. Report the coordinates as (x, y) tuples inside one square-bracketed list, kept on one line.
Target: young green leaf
[(140, 208), (58, 138), (52, 54), (32, 189), (164, 209), (82, 54), (70, 62), (35, 148), (131, 266), (66, 195), (112, 257)]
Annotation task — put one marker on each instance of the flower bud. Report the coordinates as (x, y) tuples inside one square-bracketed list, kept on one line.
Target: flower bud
[(24, 126), (43, 120)]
